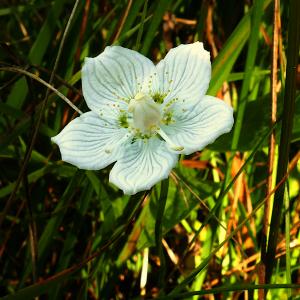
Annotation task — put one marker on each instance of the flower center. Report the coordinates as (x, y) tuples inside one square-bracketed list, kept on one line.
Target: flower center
[(145, 112), (147, 116)]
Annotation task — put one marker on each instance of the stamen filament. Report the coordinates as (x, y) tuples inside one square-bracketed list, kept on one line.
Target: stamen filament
[(165, 137)]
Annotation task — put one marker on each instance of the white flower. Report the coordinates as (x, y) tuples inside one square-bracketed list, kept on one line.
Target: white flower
[(142, 116)]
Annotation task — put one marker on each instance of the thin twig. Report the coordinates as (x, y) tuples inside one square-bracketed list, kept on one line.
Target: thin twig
[(82, 29), (48, 85), (59, 79), (121, 22)]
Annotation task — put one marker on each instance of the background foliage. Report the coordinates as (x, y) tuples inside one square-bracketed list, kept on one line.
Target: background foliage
[(69, 234)]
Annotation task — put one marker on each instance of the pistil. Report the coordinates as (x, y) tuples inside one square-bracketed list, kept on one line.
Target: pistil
[(145, 112), (147, 118)]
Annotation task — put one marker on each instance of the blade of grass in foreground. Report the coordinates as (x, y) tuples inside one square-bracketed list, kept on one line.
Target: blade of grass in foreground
[(286, 131)]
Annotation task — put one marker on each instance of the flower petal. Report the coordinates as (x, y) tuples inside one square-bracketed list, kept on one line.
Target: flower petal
[(90, 142), (196, 128), (142, 165), (114, 77), (184, 73)]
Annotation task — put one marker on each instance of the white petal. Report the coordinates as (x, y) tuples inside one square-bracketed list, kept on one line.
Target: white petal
[(114, 77), (142, 166), (90, 142), (184, 73), (196, 128)]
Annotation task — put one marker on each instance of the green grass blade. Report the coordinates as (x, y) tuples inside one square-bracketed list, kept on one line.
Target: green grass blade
[(250, 61), (130, 32), (201, 22), (133, 13), (161, 7), (161, 204), (18, 93), (72, 236), (206, 249), (225, 60), (140, 32), (287, 239)]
